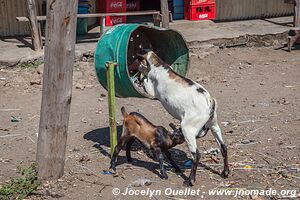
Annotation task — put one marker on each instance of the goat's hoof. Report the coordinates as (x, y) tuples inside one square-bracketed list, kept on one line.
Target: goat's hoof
[(188, 183), (225, 173), (164, 176), (129, 160), (178, 171), (113, 168)]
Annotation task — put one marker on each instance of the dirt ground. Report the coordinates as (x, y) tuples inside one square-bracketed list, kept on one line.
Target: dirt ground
[(258, 96)]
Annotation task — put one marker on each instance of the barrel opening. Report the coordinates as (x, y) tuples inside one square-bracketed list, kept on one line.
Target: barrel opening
[(170, 47)]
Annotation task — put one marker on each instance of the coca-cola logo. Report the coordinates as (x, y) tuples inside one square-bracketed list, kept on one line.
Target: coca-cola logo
[(116, 4), (131, 5), (203, 16), (117, 20)]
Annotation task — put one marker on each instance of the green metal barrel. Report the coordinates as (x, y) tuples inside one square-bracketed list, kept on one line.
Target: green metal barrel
[(121, 43)]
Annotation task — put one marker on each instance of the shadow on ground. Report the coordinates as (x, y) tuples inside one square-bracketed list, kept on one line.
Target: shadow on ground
[(101, 138)]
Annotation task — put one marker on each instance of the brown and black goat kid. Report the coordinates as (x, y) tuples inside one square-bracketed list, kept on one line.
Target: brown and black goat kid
[(155, 138)]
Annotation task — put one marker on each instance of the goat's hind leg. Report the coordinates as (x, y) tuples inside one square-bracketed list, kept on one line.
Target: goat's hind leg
[(128, 149), (173, 163), (216, 131)]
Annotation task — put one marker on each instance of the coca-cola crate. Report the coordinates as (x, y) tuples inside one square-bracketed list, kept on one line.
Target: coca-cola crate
[(133, 5), (112, 6), (114, 20), (198, 2), (204, 11)]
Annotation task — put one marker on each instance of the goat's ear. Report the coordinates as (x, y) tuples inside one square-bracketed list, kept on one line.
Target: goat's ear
[(140, 57), (172, 126)]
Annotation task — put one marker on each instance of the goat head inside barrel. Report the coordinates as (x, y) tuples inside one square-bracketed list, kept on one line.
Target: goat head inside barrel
[(186, 101), (155, 138)]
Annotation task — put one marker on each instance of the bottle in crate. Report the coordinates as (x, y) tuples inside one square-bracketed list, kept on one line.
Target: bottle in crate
[(113, 6)]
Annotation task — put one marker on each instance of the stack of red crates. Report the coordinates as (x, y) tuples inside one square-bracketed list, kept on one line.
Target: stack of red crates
[(133, 5), (113, 6), (199, 9)]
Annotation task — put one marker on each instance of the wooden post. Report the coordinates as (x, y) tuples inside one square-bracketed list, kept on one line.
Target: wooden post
[(297, 14), (157, 19), (110, 74), (102, 25), (57, 87), (165, 13), (35, 33)]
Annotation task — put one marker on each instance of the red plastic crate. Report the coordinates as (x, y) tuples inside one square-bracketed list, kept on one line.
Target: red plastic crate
[(114, 20), (198, 2), (133, 5), (204, 11), (112, 6)]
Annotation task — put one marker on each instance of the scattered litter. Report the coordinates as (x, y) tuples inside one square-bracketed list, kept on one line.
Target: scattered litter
[(105, 172), (79, 86), (289, 147), (188, 163), (246, 141), (5, 110), (31, 139), (291, 86), (102, 95), (84, 159), (264, 104), (225, 123), (266, 156), (253, 131), (14, 135), (141, 182), (15, 119), (251, 120), (36, 82), (212, 151), (247, 167), (83, 120), (2, 79)]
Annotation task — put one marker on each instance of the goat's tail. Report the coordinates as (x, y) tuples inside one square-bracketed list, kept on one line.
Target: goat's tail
[(213, 109), (124, 113)]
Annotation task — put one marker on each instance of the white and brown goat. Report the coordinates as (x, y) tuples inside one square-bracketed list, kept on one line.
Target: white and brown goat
[(155, 138), (186, 101)]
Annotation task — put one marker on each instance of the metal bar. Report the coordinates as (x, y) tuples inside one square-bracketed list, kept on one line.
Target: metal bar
[(91, 15), (110, 69)]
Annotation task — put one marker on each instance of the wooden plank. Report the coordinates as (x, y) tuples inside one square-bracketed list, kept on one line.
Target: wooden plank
[(34, 27), (102, 25), (250, 9), (57, 88), (43, 18), (297, 13), (165, 13)]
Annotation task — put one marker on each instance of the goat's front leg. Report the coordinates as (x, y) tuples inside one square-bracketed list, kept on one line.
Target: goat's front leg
[(190, 132), (168, 155), (123, 140), (192, 178), (160, 158)]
